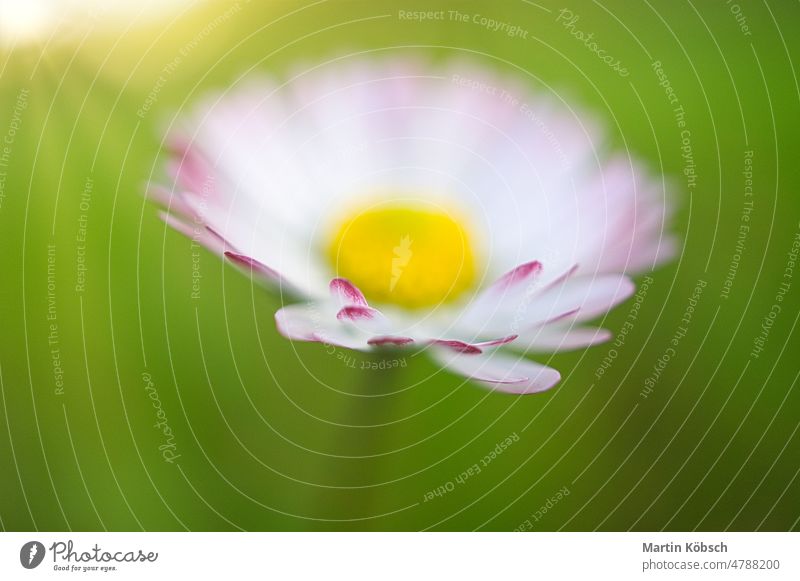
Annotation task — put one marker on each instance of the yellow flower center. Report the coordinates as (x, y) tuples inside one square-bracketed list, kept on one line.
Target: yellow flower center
[(409, 255)]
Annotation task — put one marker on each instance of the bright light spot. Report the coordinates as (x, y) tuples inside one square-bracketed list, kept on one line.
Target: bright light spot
[(29, 20), (20, 20)]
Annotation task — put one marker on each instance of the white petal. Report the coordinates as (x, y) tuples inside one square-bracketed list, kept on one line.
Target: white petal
[(577, 298), (499, 372), (309, 322), (590, 296), (552, 338)]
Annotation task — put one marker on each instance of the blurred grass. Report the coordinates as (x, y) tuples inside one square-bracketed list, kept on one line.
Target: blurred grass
[(258, 435)]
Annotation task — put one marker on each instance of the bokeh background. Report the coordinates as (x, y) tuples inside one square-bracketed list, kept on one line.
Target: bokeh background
[(269, 435)]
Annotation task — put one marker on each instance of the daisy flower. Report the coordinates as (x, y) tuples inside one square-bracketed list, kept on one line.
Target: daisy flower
[(448, 209)]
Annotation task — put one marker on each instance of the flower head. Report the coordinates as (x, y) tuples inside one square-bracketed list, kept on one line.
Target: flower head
[(450, 209)]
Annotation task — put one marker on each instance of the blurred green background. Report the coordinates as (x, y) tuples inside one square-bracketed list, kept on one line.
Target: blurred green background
[(264, 432)]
